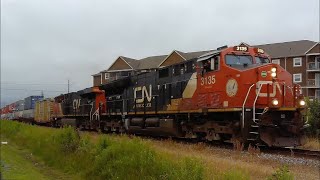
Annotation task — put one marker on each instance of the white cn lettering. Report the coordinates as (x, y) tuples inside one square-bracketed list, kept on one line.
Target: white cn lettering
[(144, 92), (275, 86), (76, 103)]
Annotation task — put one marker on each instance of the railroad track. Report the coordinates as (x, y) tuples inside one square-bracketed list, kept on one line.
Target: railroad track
[(293, 152)]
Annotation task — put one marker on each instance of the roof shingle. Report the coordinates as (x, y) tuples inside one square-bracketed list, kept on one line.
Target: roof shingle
[(287, 49)]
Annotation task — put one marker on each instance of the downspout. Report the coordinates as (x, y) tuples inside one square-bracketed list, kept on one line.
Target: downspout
[(285, 63), (306, 78), (100, 78)]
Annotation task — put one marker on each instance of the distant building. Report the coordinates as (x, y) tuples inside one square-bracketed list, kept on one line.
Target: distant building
[(124, 66), (300, 58)]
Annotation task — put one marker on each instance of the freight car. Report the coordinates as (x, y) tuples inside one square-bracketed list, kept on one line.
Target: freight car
[(22, 110)]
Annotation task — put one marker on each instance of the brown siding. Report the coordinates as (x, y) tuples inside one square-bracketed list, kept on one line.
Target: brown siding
[(104, 80), (96, 80), (172, 59), (296, 70), (311, 75), (282, 63), (311, 92), (119, 64), (315, 49)]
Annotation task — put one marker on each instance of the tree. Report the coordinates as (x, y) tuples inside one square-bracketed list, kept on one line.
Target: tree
[(313, 115)]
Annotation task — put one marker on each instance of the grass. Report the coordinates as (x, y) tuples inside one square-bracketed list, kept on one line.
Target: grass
[(100, 156), (15, 166), (108, 158), (20, 164), (312, 144), (228, 164)]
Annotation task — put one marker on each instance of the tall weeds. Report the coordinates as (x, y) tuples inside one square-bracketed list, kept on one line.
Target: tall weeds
[(109, 158)]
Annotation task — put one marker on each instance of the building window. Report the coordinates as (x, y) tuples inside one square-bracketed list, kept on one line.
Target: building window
[(297, 62), (106, 75), (276, 61), (297, 78)]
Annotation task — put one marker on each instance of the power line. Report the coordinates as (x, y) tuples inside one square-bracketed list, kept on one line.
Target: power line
[(32, 83), (30, 90)]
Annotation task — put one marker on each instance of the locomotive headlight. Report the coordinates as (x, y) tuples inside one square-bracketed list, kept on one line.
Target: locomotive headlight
[(273, 72), (275, 102), (302, 103)]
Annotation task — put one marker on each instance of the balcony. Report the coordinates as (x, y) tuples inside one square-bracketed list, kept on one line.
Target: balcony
[(116, 78), (314, 98), (313, 66), (313, 83)]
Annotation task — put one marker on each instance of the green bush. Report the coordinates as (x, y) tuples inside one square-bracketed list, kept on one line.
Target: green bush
[(313, 114), (282, 173), (235, 174), (109, 158), (68, 140)]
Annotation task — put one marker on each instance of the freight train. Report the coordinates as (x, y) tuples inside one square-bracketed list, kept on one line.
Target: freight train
[(232, 93)]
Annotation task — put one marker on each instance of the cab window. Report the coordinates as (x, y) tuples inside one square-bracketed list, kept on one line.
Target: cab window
[(211, 64), (238, 60), (261, 60)]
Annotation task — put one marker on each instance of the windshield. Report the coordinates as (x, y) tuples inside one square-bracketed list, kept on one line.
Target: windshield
[(236, 60), (261, 60)]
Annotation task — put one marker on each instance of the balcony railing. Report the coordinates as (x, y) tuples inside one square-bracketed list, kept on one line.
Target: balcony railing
[(314, 66), (115, 78), (313, 82), (314, 97)]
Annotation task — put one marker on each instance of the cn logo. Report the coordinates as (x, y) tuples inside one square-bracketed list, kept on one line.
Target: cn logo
[(145, 93), (275, 87), (76, 103)]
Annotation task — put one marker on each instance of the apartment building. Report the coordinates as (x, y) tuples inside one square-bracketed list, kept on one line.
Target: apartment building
[(300, 58), (124, 66)]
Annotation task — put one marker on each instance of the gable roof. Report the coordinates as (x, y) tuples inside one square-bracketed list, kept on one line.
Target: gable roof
[(287, 49), (151, 62), (133, 63), (313, 48), (173, 52), (192, 55)]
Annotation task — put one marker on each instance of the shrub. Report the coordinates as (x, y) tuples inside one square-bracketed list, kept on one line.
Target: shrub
[(68, 140), (313, 114), (282, 173), (235, 174), (109, 158)]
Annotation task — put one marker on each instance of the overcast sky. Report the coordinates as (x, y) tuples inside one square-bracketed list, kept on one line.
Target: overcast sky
[(46, 42)]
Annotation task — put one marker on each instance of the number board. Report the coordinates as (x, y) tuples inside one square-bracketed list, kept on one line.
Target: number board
[(241, 48), (259, 50)]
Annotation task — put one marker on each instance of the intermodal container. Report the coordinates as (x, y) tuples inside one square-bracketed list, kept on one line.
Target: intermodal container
[(30, 102), (12, 107), (19, 105), (28, 114)]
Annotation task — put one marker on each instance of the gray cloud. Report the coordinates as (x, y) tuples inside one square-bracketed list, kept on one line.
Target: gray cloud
[(48, 42)]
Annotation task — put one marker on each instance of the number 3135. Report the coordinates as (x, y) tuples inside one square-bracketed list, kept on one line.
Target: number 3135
[(208, 80)]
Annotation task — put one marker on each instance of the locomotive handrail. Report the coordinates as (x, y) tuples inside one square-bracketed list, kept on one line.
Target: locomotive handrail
[(244, 102), (254, 103)]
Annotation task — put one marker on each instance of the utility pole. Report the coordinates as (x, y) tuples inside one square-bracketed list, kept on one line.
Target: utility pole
[(68, 86), (42, 93)]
